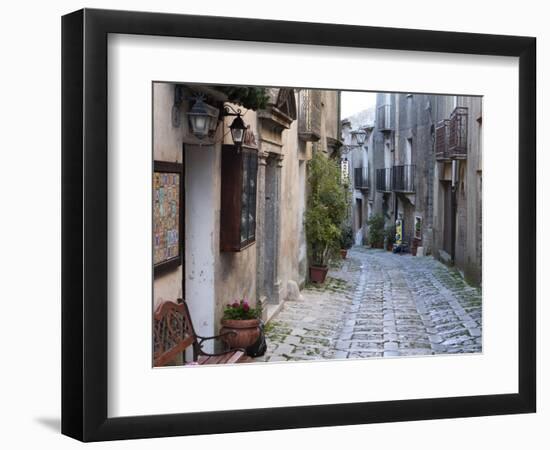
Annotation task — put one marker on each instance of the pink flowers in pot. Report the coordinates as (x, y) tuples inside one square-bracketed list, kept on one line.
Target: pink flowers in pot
[(240, 310)]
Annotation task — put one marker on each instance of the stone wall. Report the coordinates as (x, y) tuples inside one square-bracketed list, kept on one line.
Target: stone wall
[(413, 117), (292, 208), (473, 190), (413, 134)]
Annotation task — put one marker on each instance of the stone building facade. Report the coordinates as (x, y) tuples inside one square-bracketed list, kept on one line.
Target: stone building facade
[(360, 163), (425, 170), (458, 184), (282, 137)]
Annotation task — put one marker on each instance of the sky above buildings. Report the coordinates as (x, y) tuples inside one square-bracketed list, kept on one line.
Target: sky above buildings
[(354, 102)]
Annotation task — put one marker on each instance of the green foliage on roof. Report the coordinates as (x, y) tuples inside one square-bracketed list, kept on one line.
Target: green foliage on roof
[(248, 97)]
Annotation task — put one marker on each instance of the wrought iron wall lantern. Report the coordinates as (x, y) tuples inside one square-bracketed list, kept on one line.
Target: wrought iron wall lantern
[(238, 127), (359, 136), (203, 118)]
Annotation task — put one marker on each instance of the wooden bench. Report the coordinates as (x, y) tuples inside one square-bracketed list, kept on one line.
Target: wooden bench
[(173, 333)]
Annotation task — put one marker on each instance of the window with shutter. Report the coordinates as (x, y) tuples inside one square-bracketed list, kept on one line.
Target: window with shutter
[(238, 198)]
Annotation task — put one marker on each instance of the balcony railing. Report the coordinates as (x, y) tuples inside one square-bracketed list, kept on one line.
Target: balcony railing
[(451, 136), (458, 133), (383, 180), (361, 178), (309, 119), (403, 178), (384, 118), (442, 141)]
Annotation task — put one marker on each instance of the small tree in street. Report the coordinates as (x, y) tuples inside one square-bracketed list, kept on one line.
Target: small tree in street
[(346, 239), (376, 230), (326, 209)]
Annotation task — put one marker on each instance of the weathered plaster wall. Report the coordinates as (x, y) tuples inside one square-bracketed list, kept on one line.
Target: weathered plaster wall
[(331, 108), (383, 202), (212, 278), (167, 146), (330, 118), (201, 168), (303, 154), (291, 210), (413, 133), (468, 242), (235, 272), (473, 191), (442, 108)]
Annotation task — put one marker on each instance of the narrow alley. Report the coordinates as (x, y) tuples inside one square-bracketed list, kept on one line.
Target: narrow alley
[(379, 304)]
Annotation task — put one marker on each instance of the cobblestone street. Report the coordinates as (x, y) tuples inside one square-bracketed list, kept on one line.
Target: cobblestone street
[(379, 304)]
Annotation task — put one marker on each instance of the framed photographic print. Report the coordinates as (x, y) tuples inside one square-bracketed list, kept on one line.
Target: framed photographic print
[(274, 225)]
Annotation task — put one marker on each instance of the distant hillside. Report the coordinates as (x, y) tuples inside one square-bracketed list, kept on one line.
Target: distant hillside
[(362, 118)]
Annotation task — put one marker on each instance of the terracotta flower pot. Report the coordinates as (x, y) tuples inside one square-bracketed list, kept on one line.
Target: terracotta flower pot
[(318, 274), (246, 331), (343, 253)]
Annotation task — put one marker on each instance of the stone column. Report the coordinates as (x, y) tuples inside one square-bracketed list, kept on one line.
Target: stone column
[(277, 287), (271, 229), (261, 296)]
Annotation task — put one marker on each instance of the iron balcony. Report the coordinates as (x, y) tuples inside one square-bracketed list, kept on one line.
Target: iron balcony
[(403, 179), (384, 180), (458, 133), (442, 141), (451, 136), (361, 178)]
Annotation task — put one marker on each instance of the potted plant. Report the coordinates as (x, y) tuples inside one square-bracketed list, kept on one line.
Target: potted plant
[(346, 240), (240, 324), (389, 237), (376, 231), (326, 210)]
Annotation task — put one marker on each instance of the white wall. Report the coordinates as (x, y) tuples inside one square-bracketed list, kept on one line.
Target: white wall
[(201, 205), (30, 117)]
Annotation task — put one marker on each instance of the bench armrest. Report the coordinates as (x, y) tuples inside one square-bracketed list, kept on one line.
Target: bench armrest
[(201, 339)]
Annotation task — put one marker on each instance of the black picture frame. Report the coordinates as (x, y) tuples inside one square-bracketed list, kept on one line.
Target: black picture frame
[(84, 224)]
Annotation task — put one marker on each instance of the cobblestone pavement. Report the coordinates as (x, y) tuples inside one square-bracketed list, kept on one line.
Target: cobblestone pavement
[(379, 304)]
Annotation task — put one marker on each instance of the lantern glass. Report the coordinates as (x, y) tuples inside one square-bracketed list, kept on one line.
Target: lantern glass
[(198, 123), (237, 130), (237, 135), (203, 118)]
